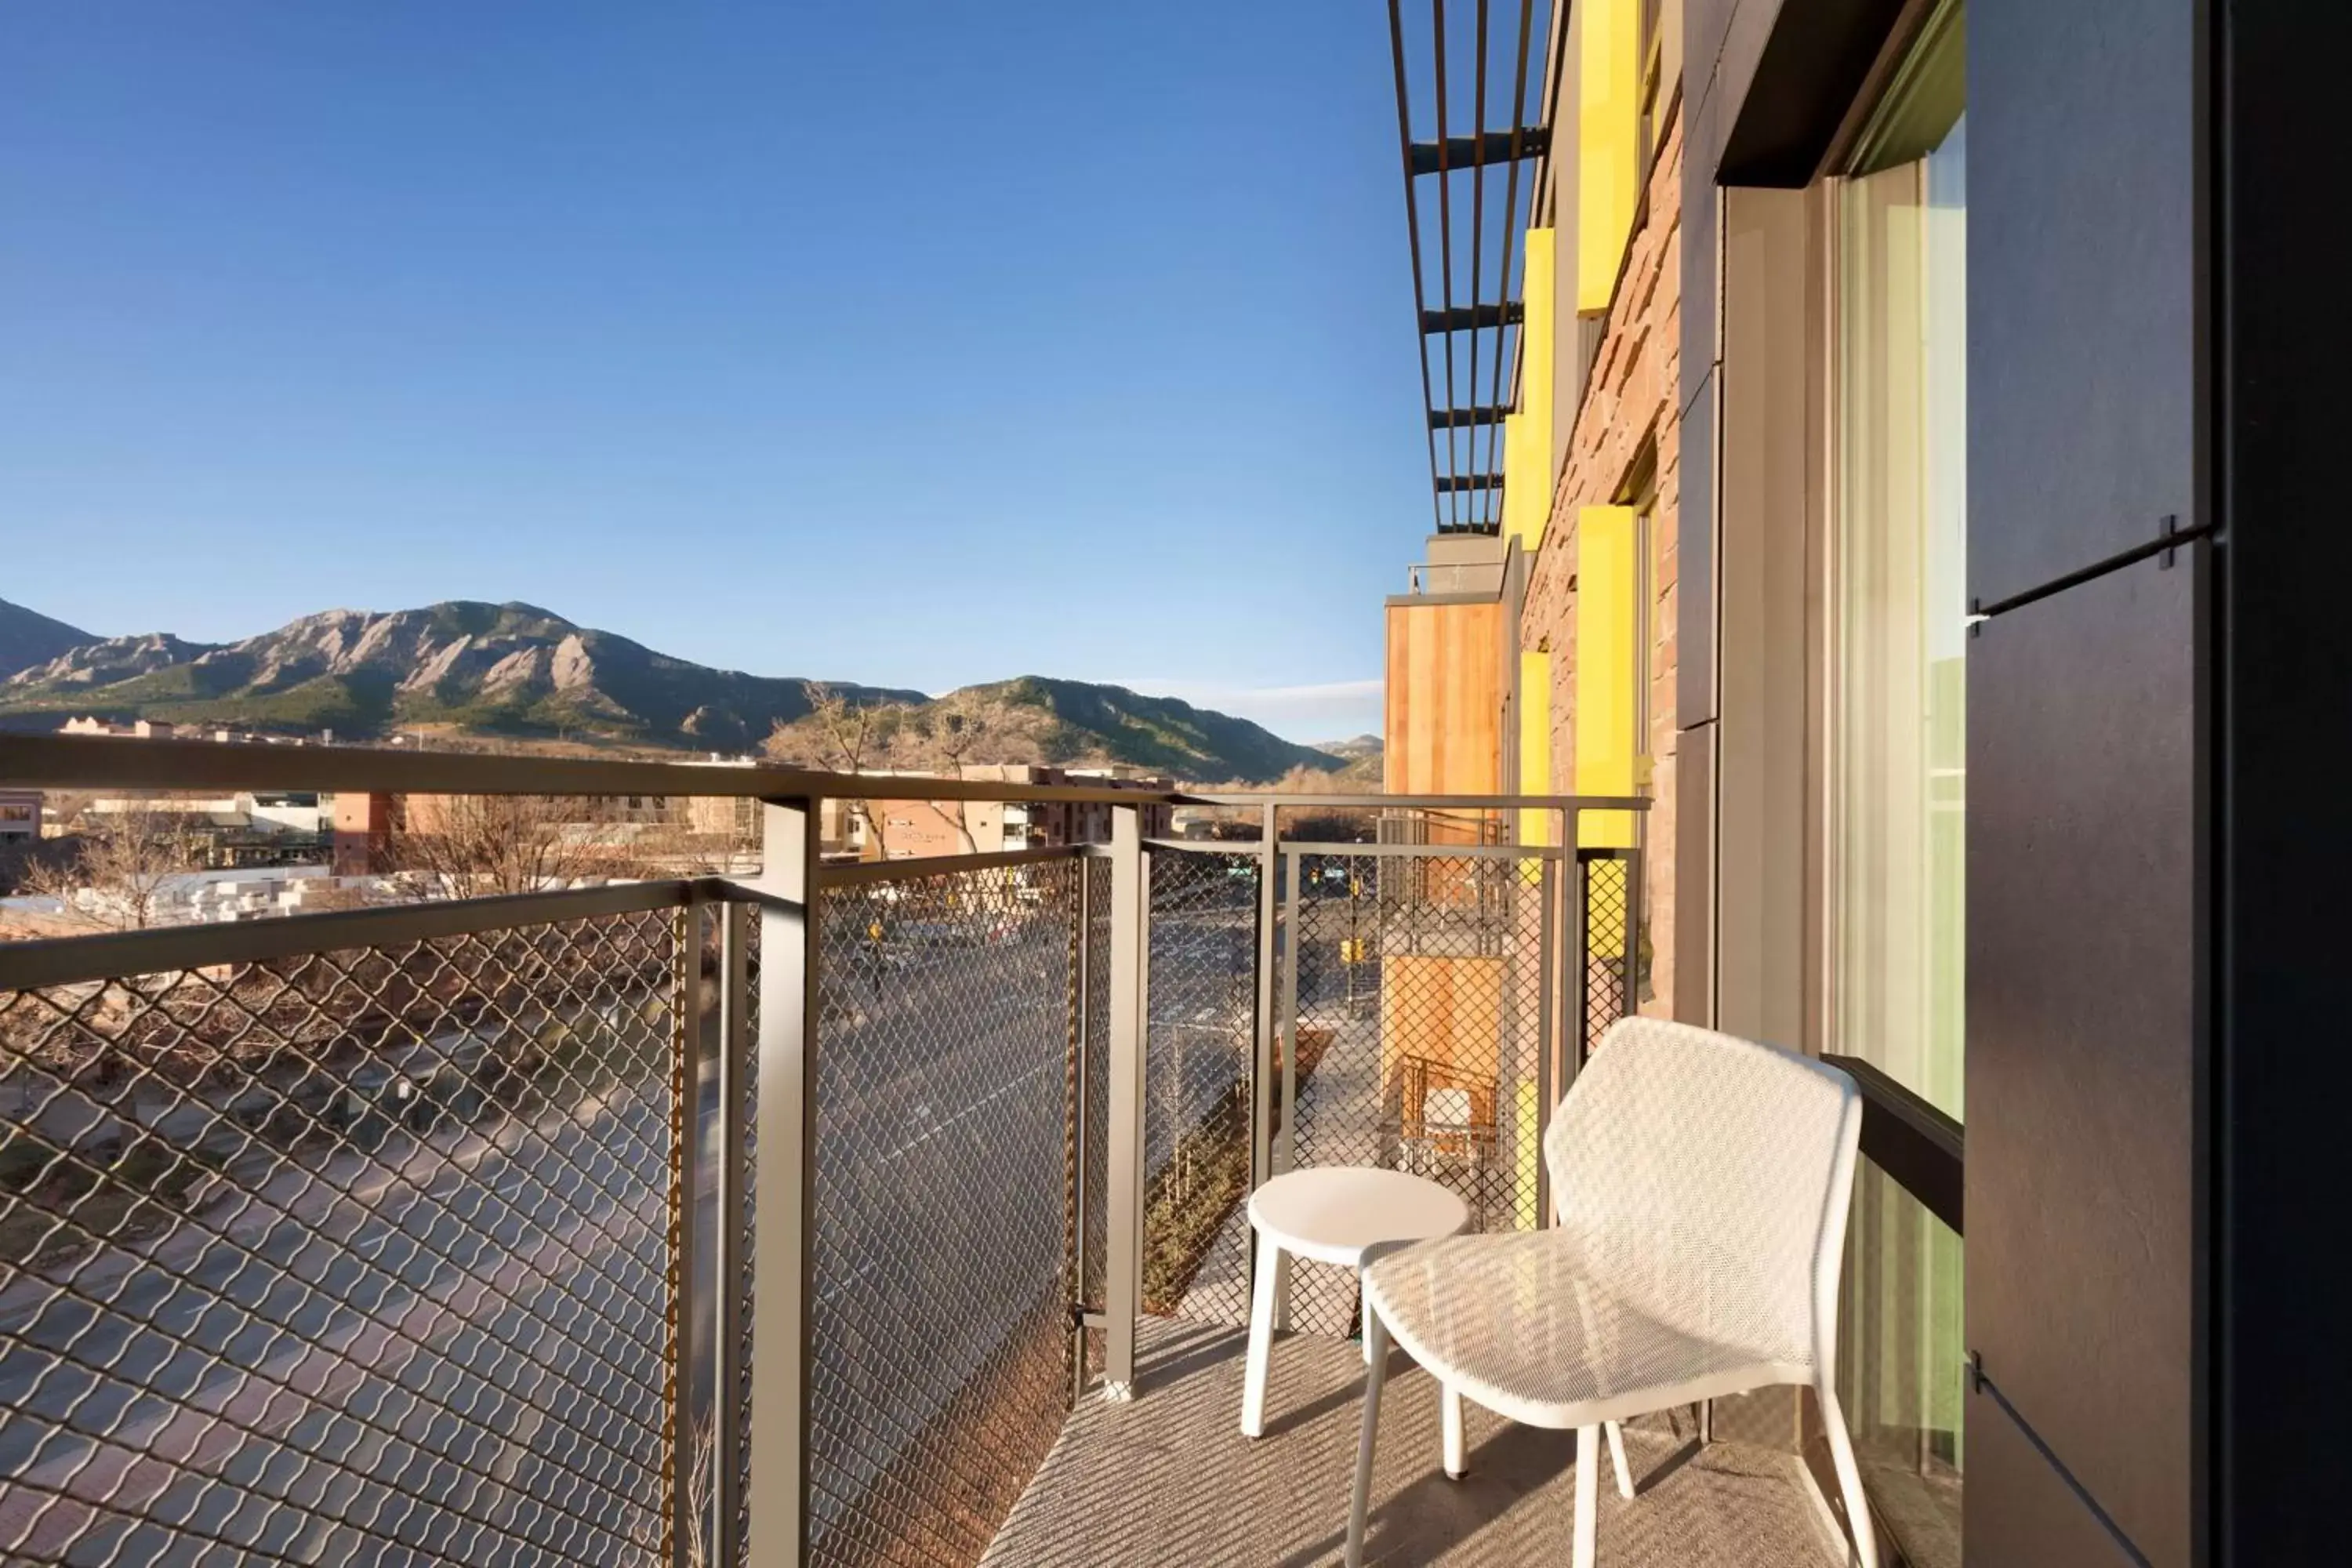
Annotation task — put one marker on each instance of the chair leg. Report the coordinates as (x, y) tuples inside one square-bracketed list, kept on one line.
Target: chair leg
[(1359, 1500), (1617, 1457), (1261, 1339), (1849, 1475), (1458, 1463), (1587, 1523)]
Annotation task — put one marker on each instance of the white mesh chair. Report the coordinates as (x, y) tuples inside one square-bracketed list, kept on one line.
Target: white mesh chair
[(1702, 1183)]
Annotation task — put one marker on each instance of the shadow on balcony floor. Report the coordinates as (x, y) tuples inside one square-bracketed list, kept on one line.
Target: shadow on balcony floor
[(1170, 1479)]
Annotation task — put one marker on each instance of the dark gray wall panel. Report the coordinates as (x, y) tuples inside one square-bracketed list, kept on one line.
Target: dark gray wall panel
[(2082, 924), (1704, 24), (1694, 997), (2081, 289), (1701, 246), (1695, 605), (1702, 243), (1746, 30), (2017, 1512), (2283, 1074)]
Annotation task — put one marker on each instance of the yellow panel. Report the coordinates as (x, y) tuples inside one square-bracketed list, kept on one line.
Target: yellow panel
[(1608, 126), (1519, 483), (1607, 580), (1535, 743), (1527, 434)]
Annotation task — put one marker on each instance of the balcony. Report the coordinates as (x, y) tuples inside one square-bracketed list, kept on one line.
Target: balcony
[(882, 1213)]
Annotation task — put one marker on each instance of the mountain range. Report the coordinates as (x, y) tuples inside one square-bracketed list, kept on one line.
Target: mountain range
[(519, 672), (29, 637)]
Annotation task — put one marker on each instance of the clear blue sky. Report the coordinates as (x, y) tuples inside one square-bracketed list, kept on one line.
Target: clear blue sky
[(912, 343)]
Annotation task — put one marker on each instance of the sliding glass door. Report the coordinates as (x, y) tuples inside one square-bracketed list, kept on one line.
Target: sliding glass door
[(1897, 752)]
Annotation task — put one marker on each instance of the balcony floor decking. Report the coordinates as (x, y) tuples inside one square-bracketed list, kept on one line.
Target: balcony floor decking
[(1169, 1480)]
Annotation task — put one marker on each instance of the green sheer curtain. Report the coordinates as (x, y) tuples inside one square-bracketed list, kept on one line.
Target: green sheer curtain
[(1898, 760)]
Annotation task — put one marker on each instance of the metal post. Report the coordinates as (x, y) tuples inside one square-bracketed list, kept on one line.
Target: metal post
[(728, 1367), (1286, 1024), (1083, 1132), (1123, 1222), (1546, 1048), (790, 939), (1633, 1002), (1261, 1073), (1581, 889), (1568, 961), (689, 1026), (1285, 1017)]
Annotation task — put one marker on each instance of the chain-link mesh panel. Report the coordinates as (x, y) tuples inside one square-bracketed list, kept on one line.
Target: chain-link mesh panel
[(359, 1256), (1420, 989), (941, 1298), (734, 1272), (1201, 997), (1608, 938), (1094, 1144)]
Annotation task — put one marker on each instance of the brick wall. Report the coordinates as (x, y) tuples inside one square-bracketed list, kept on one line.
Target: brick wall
[(1629, 401)]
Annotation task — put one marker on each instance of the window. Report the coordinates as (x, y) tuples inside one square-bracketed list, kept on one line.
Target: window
[(1896, 738)]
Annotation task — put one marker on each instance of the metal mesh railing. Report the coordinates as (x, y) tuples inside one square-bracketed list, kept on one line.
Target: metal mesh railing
[(397, 1251), (939, 1301), (1609, 935), (1421, 1004), (1199, 1049), (356, 1257)]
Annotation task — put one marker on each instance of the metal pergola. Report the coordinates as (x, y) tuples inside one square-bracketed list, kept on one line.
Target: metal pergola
[(1468, 315)]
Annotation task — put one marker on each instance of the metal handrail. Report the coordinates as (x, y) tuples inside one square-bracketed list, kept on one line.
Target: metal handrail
[(74, 960), (862, 872), (1922, 1150), (88, 762), (721, 1013)]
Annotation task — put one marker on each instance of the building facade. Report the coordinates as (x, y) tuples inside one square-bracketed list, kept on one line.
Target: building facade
[(912, 829), (1909, 474)]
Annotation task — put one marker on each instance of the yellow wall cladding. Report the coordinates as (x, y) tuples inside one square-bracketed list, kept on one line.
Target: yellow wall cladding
[(1535, 741), (1607, 621), (1527, 433), (1608, 127)]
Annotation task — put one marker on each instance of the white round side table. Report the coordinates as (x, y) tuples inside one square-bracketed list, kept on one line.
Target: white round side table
[(1331, 1215)]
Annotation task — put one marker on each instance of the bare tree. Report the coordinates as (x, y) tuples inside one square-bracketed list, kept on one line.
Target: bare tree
[(955, 729), (125, 865), (477, 845), (853, 738)]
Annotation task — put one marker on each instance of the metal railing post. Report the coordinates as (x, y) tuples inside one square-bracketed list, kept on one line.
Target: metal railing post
[(1568, 961), (690, 1025), (791, 935), (1632, 1005), (1083, 1132), (726, 1363), (1262, 1069), (1123, 1191), (1546, 1048), (1286, 1025), (1580, 890)]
